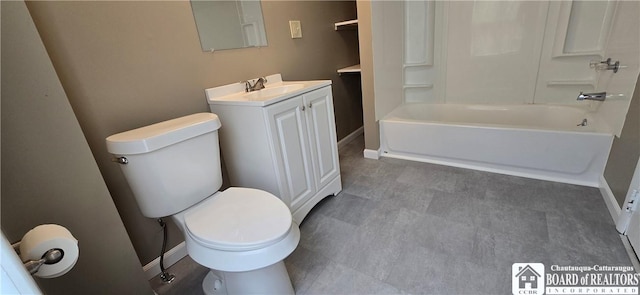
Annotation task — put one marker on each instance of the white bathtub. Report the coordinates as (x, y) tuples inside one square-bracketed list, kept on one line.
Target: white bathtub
[(535, 141)]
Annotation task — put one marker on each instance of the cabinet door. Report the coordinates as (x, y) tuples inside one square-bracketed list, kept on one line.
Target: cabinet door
[(322, 135), (290, 142)]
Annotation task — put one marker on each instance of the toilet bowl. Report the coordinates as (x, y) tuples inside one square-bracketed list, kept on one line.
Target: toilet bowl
[(241, 234)]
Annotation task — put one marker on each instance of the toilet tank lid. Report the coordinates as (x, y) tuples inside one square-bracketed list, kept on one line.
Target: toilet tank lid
[(159, 135)]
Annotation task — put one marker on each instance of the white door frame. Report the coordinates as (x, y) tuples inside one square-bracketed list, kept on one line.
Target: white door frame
[(15, 279), (630, 202), (629, 217)]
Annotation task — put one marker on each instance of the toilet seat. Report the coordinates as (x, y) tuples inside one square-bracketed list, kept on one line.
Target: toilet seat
[(238, 219)]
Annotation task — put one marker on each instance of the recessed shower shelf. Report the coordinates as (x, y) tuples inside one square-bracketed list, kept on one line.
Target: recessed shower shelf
[(409, 86), (556, 83), (598, 53), (410, 65)]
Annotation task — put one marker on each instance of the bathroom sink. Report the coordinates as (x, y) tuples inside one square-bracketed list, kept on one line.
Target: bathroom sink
[(270, 92), (275, 90)]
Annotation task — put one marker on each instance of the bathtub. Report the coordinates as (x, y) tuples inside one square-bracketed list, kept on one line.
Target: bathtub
[(534, 141)]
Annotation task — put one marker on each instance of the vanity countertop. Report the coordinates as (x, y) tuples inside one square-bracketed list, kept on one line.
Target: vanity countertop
[(275, 91)]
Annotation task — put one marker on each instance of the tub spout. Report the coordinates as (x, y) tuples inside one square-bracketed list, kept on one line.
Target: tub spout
[(599, 96)]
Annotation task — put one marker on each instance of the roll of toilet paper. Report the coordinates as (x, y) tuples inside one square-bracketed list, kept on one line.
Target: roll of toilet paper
[(41, 239)]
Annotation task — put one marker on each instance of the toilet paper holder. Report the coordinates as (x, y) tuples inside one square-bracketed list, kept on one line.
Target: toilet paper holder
[(47, 251), (52, 256)]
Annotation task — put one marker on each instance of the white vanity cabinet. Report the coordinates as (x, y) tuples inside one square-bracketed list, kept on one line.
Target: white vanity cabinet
[(288, 148)]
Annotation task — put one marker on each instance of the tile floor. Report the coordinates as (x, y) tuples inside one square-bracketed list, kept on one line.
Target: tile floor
[(405, 227)]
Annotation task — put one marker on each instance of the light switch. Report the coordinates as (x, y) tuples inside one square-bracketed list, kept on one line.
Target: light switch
[(296, 29)]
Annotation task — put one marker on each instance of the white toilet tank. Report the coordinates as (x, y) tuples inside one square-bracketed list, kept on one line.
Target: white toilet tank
[(171, 165)]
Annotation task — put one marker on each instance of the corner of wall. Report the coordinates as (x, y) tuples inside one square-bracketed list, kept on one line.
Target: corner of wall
[(371, 132)]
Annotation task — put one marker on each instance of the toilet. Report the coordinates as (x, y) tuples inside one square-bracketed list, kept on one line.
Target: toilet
[(242, 235)]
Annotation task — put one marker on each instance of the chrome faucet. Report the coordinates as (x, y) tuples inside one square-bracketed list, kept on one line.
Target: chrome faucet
[(599, 96), (583, 123), (257, 85)]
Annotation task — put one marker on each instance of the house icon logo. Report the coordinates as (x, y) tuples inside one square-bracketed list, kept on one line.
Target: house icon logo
[(527, 278)]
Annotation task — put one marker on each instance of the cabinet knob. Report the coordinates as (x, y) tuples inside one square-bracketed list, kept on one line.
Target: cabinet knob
[(310, 105), (303, 108)]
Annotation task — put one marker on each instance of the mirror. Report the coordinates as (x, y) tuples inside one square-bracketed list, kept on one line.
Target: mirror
[(229, 24)]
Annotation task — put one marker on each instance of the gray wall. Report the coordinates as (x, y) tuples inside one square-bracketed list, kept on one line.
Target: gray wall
[(48, 172), (126, 64), (625, 151)]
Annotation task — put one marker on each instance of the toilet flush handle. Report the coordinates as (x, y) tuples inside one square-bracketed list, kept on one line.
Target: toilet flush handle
[(121, 160)]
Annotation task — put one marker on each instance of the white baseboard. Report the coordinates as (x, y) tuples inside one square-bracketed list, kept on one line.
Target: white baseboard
[(371, 154), (172, 256), (349, 138), (609, 199)]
